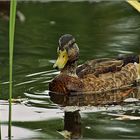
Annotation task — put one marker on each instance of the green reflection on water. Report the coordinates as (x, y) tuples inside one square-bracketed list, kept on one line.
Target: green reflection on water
[(102, 29)]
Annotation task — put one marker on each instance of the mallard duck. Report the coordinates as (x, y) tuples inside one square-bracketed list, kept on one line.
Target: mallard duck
[(98, 75)]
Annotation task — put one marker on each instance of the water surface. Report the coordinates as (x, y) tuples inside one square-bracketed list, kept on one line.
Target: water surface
[(102, 29)]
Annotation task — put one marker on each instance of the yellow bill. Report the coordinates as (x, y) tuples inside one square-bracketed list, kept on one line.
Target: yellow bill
[(61, 60)]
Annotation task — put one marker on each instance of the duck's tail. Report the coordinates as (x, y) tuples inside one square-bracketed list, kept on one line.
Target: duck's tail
[(128, 59), (131, 59)]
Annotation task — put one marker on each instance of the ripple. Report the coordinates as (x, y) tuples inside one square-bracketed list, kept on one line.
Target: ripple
[(37, 96), (26, 82), (40, 73), (119, 129)]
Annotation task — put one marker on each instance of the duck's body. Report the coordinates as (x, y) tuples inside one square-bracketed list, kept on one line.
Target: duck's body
[(97, 75)]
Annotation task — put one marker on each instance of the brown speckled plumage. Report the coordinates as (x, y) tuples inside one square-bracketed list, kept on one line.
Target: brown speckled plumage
[(95, 76), (66, 84), (107, 81)]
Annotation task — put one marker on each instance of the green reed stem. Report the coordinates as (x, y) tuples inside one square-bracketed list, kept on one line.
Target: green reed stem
[(11, 46)]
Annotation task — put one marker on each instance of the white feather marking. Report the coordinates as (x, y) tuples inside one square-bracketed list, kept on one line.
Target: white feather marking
[(138, 70)]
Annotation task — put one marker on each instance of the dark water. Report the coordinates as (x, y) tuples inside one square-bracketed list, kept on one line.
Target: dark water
[(102, 29)]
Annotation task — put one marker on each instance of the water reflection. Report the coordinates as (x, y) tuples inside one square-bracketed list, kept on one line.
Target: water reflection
[(72, 125), (110, 123), (23, 133), (98, 98)]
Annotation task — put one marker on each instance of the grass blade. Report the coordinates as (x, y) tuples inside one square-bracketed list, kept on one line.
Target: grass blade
[(11, 46)]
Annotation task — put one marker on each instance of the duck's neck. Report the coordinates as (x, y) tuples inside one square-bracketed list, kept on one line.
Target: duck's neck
[(70, 69)]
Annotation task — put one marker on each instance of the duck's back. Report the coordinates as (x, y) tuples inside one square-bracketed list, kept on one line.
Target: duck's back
[(105, 65), (112, 80)]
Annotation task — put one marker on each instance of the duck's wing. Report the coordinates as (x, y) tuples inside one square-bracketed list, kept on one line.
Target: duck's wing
[(99, 66), (104, 65)]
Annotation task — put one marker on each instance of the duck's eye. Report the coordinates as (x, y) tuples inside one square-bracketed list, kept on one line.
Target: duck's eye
[(63, 56)]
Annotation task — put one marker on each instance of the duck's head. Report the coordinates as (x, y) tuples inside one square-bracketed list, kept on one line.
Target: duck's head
[(68, 51)]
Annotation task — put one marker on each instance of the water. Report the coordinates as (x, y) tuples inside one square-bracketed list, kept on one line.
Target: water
[(102, 29)]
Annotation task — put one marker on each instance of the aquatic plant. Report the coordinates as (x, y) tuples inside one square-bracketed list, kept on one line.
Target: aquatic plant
[(11, 46)]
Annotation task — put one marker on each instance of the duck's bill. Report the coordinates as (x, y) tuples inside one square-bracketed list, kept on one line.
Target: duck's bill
[(61, 60)]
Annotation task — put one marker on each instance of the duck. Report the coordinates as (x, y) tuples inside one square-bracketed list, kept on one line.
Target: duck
[(94, 76)]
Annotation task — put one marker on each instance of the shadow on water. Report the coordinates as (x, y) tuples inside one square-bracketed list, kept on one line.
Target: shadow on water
[(102, 29)]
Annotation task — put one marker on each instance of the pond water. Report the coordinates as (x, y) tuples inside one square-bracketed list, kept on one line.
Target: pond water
[(102, 29)]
